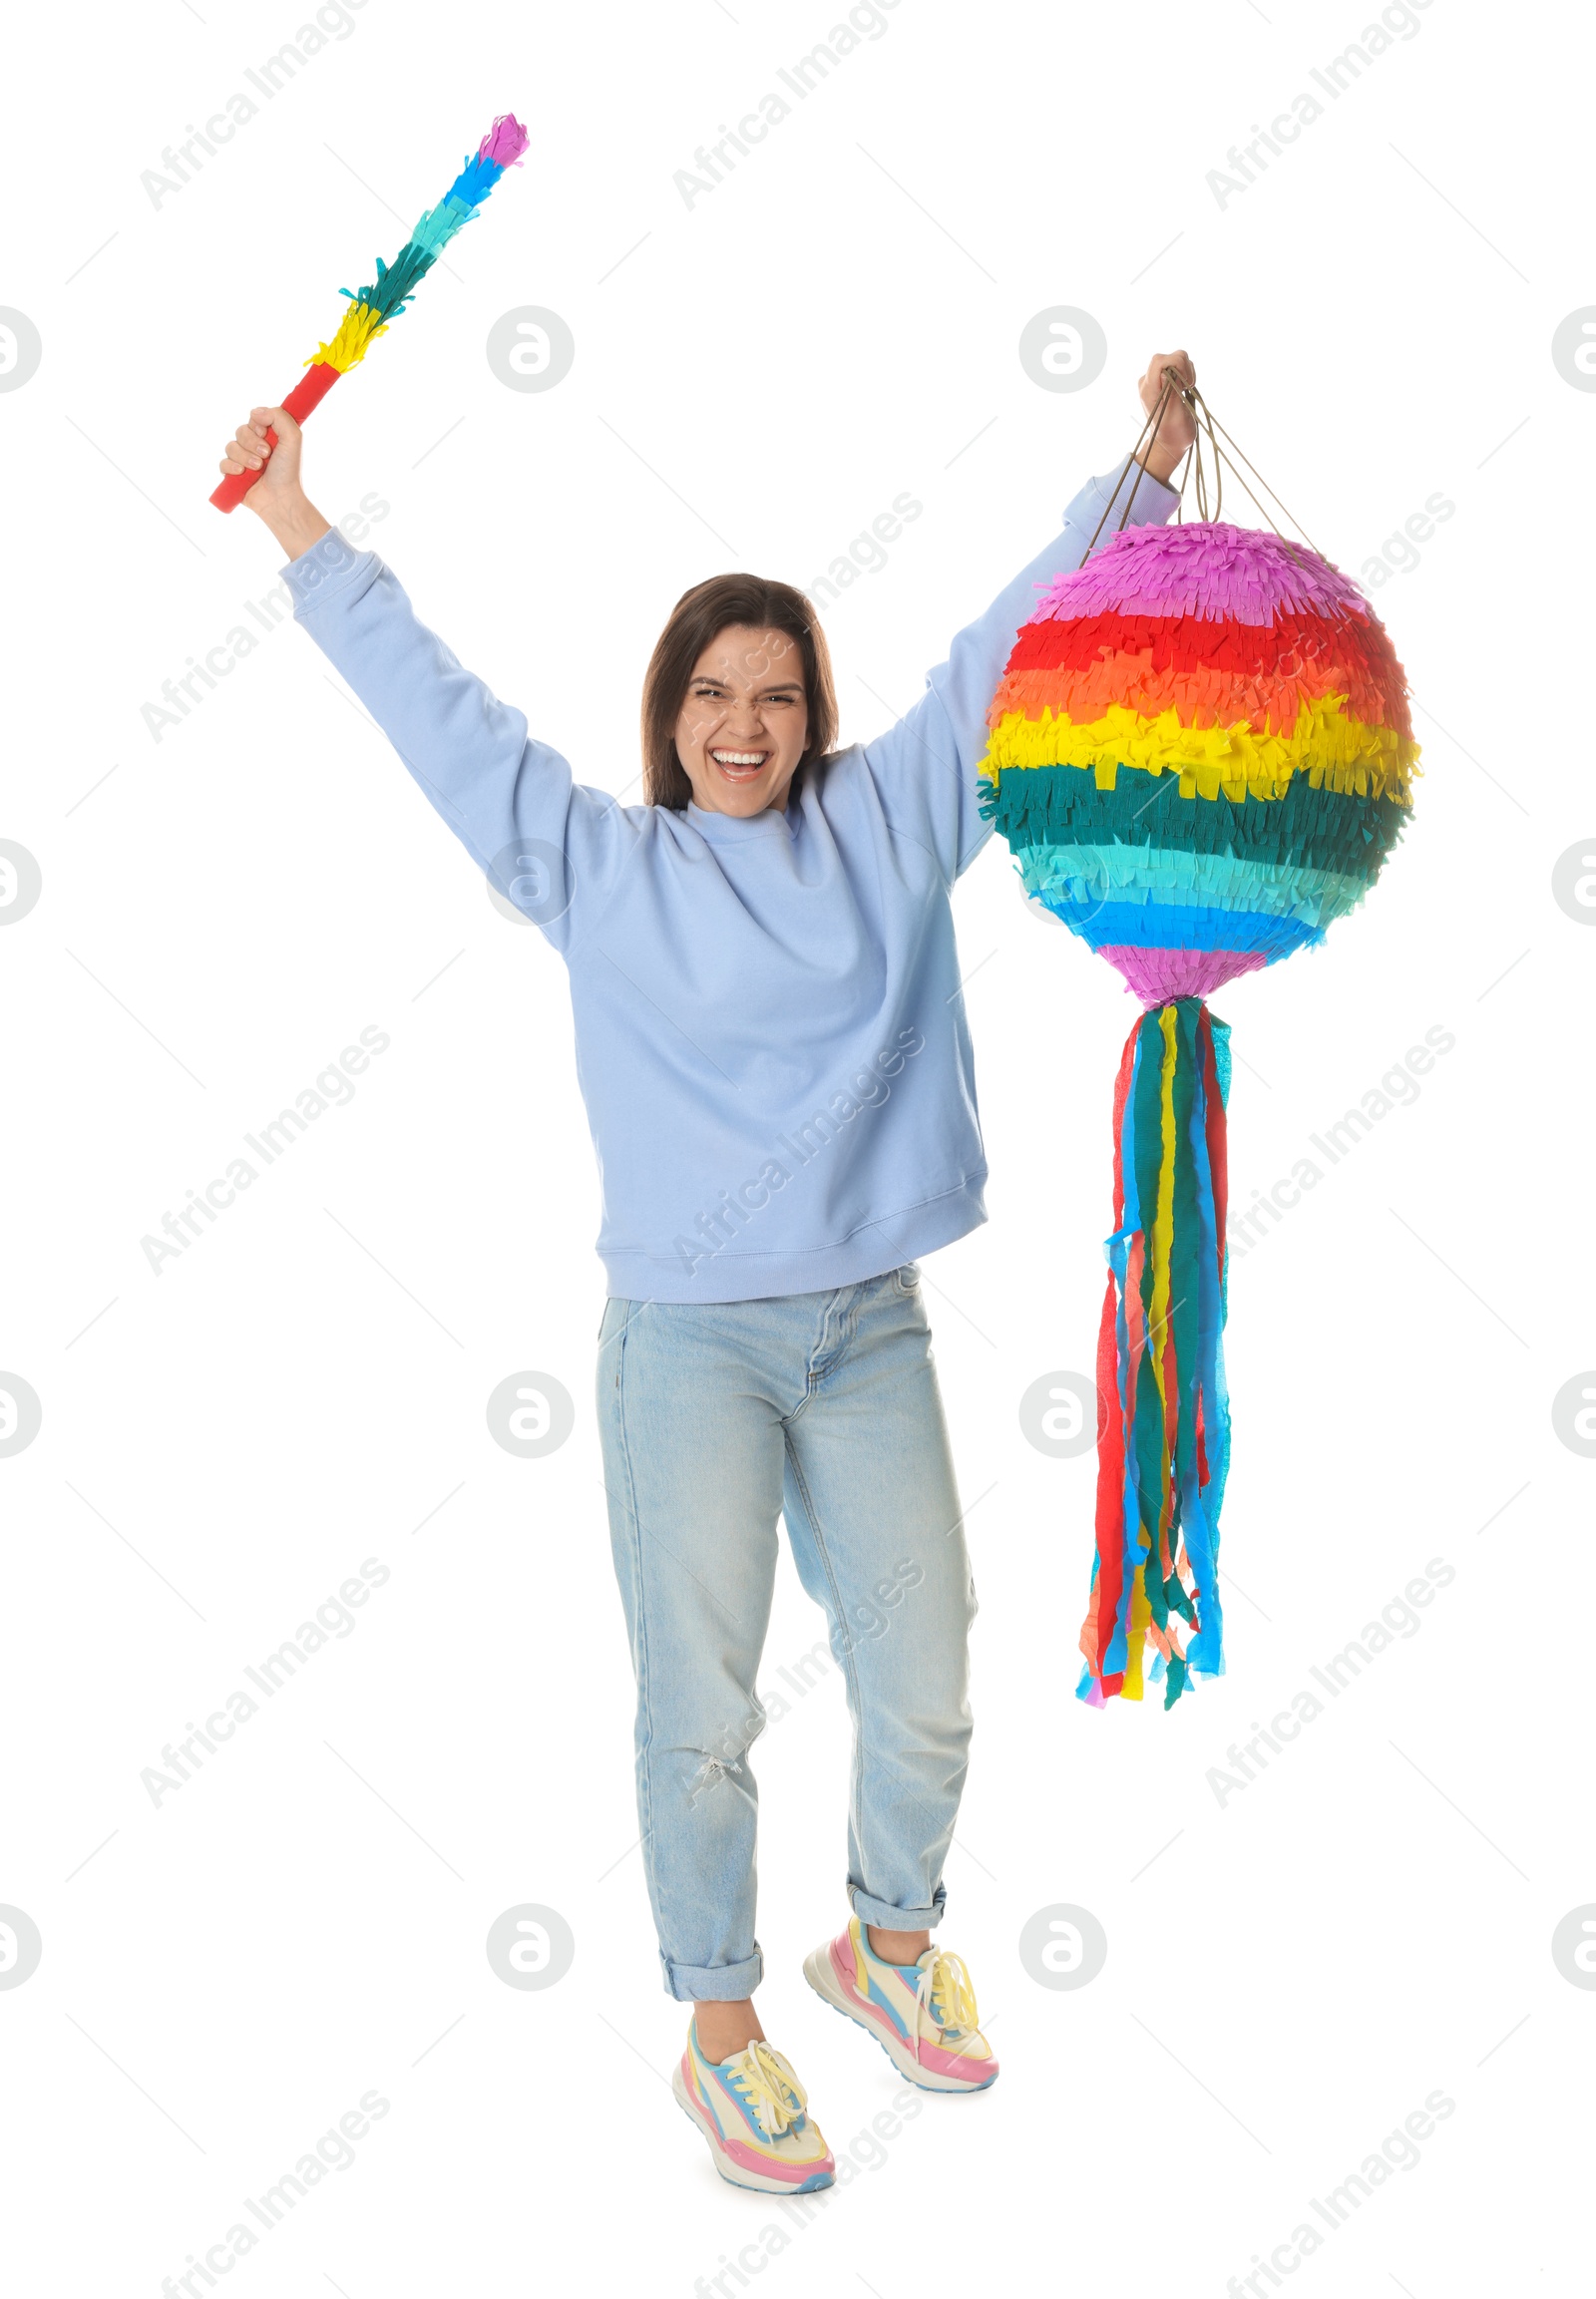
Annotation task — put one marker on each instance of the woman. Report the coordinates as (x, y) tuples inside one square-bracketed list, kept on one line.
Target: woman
[(777, 1071)]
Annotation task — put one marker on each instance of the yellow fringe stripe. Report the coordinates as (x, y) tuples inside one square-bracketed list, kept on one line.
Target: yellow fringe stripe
[(1141, 1614), (358, 330), (1335, 752)]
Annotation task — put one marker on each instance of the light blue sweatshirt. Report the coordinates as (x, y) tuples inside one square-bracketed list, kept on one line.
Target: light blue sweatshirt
[(770, 1036)]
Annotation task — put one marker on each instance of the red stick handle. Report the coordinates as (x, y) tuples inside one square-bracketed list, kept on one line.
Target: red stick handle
[(311, 388)]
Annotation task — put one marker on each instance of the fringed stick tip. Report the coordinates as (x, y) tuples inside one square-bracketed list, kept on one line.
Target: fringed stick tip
[(505, 141)]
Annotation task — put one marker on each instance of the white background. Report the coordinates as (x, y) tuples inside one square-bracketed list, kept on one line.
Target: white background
[(1288, 1974)]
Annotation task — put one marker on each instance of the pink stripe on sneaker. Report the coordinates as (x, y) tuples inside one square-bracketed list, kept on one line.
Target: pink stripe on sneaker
[(963, 2067), (773, 2167)]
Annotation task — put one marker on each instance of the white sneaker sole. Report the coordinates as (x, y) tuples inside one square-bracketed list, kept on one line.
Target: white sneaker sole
[(759, 2182), (821, 1977)]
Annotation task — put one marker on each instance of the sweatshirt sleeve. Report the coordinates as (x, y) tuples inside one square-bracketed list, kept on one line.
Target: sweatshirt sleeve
[(550, 845), (926, 768)]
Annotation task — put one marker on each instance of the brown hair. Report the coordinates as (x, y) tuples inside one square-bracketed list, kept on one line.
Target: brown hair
[(697, 619)]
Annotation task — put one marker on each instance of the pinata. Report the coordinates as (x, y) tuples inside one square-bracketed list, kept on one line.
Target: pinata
[(371, 308), (1201, 755)]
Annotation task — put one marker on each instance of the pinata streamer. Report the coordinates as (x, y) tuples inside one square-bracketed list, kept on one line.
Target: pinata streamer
[(371, 308), (1201, 756)]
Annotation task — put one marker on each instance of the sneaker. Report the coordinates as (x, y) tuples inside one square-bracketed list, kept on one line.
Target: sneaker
[(752, 2110), (921, 2015)]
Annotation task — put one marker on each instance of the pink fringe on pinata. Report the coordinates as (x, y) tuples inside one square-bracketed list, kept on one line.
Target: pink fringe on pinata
[(1208, 569), (1158, 976)]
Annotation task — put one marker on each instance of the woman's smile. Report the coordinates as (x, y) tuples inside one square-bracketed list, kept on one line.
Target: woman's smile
[(741, 765)]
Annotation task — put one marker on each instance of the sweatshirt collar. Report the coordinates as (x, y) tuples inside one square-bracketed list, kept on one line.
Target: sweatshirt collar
[(729, 829)]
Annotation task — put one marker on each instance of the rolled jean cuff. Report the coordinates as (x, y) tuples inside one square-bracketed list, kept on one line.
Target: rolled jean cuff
[(713, 1983), (887, 1918)]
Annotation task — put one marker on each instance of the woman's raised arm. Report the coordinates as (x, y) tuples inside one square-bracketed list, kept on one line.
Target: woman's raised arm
[(927, 767), (552, 846)]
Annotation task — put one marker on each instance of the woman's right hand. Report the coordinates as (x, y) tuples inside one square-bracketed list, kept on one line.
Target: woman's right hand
[(1176, 429), (276, 498), (250, 450)]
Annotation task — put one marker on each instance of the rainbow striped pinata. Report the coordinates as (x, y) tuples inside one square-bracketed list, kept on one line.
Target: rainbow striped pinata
[(1201, 755)]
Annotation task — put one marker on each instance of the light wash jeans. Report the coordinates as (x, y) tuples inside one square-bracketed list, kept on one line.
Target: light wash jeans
[(715, 1418)]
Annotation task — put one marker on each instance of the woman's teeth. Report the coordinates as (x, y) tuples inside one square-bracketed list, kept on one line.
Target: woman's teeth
[(740, 761)]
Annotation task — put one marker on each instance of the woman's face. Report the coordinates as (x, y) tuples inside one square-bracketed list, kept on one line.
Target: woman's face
[(742, 728)]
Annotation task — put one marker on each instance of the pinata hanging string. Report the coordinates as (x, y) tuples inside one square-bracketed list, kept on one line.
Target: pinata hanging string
[(1153, 421), (1215, 425), (1195, 469), (1202, 414)]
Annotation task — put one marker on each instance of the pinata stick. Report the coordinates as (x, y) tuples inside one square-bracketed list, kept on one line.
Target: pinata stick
[(370, 310)]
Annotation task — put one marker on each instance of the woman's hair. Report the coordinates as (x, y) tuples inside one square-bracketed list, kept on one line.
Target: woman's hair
[(699, 617)]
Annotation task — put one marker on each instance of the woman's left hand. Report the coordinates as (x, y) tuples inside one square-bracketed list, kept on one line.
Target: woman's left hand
[(1177, 430)]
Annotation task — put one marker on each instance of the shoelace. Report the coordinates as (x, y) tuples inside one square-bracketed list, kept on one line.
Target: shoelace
[(771, 2090), (947, 1993)]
